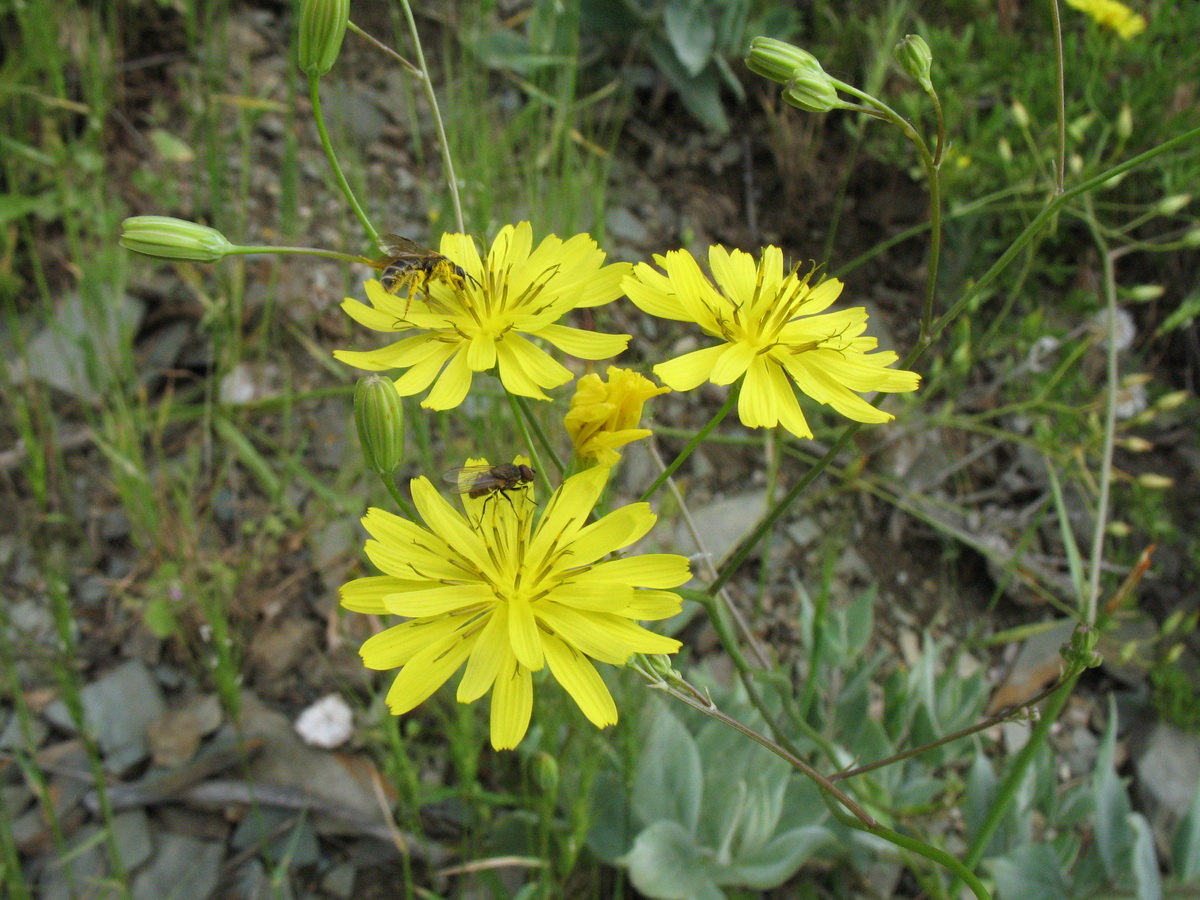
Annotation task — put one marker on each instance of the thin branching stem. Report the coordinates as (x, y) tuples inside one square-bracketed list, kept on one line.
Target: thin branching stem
[(691, 445), (436, 113), (314, 93)]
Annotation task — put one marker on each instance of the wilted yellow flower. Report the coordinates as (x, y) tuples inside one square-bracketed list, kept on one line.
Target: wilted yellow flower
[(481, 322), (605, 415), (1112, 14), (770, 333), (508, 595)]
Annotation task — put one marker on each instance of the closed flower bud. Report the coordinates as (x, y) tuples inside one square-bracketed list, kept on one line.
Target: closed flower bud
[(170, 238), (1125, 122), (1020, 114), (1155, 482), (322, 27), (778, 60), (1144, 293), (812, 92), (915, 58), (1192, 238), (1168, 206), (545, 773), (1173, 400), (379, 415)]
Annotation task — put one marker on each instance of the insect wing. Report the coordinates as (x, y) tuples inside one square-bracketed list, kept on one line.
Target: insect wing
[(402, 248), (475, 480)]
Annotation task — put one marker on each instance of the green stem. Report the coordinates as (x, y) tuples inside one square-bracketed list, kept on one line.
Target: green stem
[(1016, 773), (314, 94), (1110, 426), (1060, 109), (691, 446), (240, 250), (519, 416), (539, 432), (435, 111), (400, 500), (928, 851)]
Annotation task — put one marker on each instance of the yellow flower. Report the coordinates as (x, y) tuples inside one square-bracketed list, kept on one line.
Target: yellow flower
[(482, 323), (508, 596), (770, 331), (605, 416), (1112, 14)]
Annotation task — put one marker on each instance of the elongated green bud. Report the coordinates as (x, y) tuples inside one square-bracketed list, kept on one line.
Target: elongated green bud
[(778, 60), (170, 238), (322, 27), (379, 415), (915, 58)]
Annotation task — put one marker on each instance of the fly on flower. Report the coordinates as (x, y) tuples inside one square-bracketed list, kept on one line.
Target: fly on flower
[(476, 481)]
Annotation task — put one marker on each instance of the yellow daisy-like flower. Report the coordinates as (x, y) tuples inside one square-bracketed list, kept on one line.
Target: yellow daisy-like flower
[(484, 321), (1112, 14), (771, 332), (604, 416), (508, 596)]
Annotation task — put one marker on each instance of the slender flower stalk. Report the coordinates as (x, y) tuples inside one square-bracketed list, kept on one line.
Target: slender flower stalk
[(508, 594), (484, 321)]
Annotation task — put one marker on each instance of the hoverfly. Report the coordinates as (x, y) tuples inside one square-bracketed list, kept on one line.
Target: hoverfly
[(478, 481), (407, 264)]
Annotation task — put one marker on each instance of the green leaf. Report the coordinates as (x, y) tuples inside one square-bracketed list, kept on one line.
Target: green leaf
[(777, 860), (1145, 860), (669, 781), (610, 834), (1185, 848), (701, 93), (1030, 872), (689, 28), (665, 864), (1113, 835)]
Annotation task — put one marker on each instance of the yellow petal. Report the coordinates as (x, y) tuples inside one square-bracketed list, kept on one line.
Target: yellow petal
[(523, 634), (651, 292), (652, 570), (426, 672), (581, 680), (584, 344), (396, 646), (526, 368), (452, 387), (599, 596), (618, 529), (446, 598), (512, 704), (603, 636), (481, 353), (732, 364), (491, 649), (365, 595), (690, 370), (652, 605)]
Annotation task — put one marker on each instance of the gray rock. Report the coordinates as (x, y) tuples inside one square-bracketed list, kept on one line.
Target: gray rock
[(184, 868)]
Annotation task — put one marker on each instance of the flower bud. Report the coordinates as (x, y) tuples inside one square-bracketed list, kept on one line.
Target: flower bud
[(1144, 293), (1155, 482), (1135, 444), (778, 60), (379, 415), (915, 58), (322, 27), (170, 238), (1173, 400), (1020, 114), (1125, 122), (1168, 206), (1192, 238), (812, 92), (545, 773)]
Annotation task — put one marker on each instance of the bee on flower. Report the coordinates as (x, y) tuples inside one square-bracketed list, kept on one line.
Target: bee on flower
[(508, 593), (773, 333), (485, 320)]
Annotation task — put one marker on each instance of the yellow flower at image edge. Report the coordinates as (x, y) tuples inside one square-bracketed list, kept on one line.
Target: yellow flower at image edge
[(516, 292), (508, 596), (774, 334), (605, 415), (1112, 14)]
